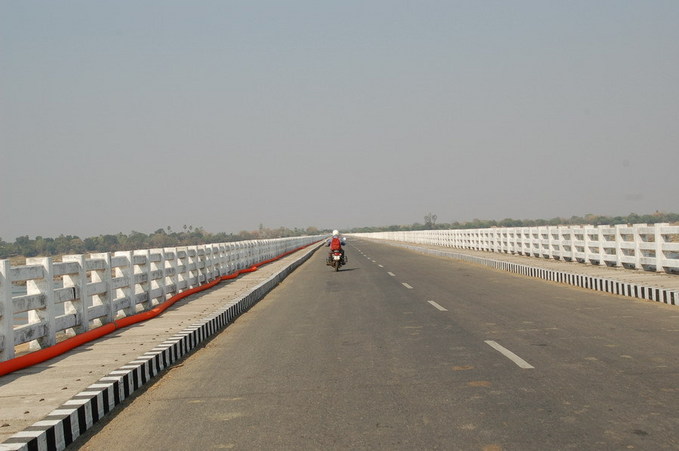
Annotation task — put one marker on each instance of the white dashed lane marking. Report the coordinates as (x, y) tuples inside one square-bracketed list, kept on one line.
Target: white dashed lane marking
[(510, 355), (391, 274), (437, 306), (407, 286)]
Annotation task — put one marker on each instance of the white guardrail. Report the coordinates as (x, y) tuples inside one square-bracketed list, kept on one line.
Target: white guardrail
[(43, 301), (639, 246)]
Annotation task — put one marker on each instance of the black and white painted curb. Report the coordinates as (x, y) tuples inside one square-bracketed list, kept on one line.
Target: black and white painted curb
[(579, 280), (63, 425)]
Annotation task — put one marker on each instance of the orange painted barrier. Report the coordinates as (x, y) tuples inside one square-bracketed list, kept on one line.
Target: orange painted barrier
[(25, 361)]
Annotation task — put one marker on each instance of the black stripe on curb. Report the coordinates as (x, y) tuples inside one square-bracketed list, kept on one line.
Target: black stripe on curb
[(65, 424)]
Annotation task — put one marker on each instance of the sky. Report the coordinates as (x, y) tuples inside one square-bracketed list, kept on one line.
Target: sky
[(136, 115)]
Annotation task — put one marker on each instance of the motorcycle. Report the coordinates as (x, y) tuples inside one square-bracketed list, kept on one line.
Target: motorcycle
[(335, 259)]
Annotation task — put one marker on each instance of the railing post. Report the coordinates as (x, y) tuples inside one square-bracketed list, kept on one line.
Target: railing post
[(222, 260), (45, 287), (193, 273), (602, 245), (78, 305), (513, 240), (104, 276), (242, 254), (618, 246), (126, 272), (171, 261), (182, 268), (6, 312), (145, 279), (157, 275), (209, 263), (637, 247), (555, 250), (587, 240), (659, 252)]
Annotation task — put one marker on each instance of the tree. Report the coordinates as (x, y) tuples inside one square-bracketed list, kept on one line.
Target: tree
[(430, 220)]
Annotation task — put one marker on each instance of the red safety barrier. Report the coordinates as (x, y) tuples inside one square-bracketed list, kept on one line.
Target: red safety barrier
[(42, 355)]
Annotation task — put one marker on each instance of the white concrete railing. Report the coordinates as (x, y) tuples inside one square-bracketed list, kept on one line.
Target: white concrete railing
[(638, 246), (83, 292)]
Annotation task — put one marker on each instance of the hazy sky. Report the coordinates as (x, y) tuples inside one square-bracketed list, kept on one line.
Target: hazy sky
[(135, 115)]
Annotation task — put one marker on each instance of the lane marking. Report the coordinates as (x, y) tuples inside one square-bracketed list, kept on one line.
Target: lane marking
[(437, 306), (510, 355), (391, 274), (407, 286), (380, 266)]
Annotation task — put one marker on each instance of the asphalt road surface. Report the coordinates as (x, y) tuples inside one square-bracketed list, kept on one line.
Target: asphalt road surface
[(405, 351)]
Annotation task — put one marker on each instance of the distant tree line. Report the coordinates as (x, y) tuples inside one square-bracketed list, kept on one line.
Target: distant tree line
[(590, 219), (24, 246)]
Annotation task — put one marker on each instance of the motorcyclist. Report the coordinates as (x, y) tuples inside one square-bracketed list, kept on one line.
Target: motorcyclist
[(335, 243)]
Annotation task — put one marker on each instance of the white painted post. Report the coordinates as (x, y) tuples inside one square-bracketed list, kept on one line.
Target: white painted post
[(545, 248), (526, 242), (6, 312), (43, 286), (201, 264), (637, 247), (233, 257), (248, 254), (145, 285), (241, 255), (126, 291), (659, 252), (77, 306), (213, 252), (103, 275), (207, 261), (223, 264), (602, 244), (587, 240), (619, 253), (157, 263), (555, 251), (204, 264), (213, 258), (182, 269), (534, 242), (221, 260), (565, 243), (172, 277), (514, 240), (193, 275)]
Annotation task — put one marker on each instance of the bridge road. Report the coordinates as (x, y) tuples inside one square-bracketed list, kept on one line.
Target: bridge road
[(361, 359)]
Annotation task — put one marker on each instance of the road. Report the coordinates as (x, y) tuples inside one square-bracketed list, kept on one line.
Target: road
[(405, 351)]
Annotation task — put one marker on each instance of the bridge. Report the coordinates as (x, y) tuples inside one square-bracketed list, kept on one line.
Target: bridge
[(415, 344)]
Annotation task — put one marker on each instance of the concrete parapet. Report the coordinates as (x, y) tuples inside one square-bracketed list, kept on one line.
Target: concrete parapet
[(49, 406), (45, 301)]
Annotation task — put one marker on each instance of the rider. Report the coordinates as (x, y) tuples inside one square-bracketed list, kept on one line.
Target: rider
[(336, 242)]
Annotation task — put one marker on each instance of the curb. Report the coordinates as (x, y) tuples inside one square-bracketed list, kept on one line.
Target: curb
[(605, 285), (65, 424)]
